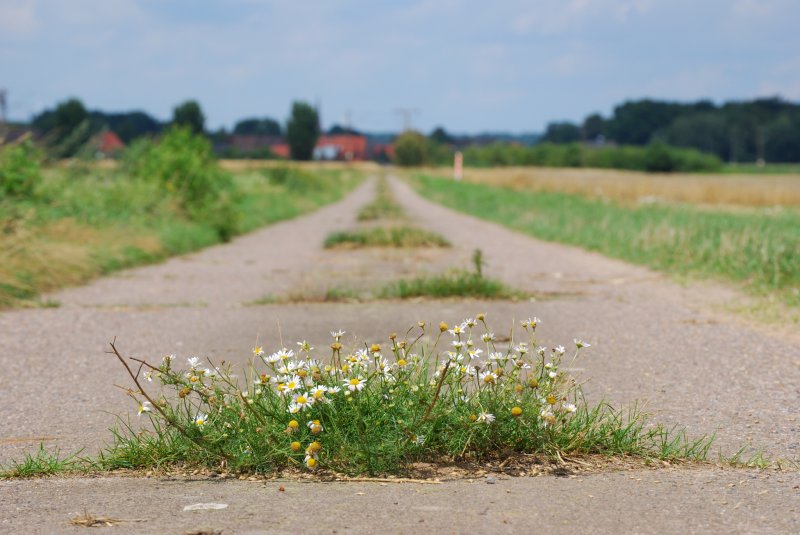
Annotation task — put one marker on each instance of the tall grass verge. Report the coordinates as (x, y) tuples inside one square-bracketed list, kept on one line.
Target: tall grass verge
[(81, 222), (759, 249)]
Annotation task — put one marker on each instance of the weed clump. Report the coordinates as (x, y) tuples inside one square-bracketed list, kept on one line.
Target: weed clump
[(401, 237), (461, 395), (383, 207)]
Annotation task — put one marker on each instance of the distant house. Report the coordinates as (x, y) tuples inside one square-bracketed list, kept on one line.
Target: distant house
[(345, 147), (105, 144), (255, 145)]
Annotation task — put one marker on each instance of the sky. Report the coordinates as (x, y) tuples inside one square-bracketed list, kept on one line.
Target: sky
[(468, 65)]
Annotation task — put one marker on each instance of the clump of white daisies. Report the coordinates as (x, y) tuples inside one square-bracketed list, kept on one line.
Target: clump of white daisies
[(458, 392)]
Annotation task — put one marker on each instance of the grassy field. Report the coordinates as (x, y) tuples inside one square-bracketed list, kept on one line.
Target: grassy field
[(752, 190), (82, 222), (757, 247)]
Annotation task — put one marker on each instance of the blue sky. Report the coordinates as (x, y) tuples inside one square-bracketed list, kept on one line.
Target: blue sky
[(469, 65)]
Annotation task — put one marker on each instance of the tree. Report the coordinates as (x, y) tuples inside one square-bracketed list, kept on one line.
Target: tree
[(68, 115), (258, 127), (337, 130), (594, 126), (440, 135), (410, 149), (190, 115), (302, 131), (563, 132)]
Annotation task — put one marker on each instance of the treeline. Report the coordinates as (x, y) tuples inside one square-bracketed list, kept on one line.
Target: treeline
[(655, 157), (67, 129), (766, 129), (415, 149)]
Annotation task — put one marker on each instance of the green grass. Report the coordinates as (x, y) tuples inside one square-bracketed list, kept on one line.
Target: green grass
[(457, 283), (758, 248), (402, 237), (83, 222), (383, 207), (41, 463)]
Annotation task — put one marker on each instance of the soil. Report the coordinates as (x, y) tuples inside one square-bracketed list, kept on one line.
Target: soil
[(663, 344)]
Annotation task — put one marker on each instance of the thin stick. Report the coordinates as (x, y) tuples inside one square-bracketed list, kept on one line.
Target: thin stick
[(436, 394), (153, 402)]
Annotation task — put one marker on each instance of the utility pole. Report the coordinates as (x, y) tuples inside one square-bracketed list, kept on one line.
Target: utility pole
[(407, 115), (3, 113)]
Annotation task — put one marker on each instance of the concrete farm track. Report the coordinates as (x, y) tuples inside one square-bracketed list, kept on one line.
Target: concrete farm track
[(652, 340)]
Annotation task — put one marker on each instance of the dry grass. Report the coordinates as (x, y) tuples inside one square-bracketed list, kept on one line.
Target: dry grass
[(635, 187), (61, 254), (250, 165)]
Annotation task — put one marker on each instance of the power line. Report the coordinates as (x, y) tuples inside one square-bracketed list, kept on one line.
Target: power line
[(407, 114)]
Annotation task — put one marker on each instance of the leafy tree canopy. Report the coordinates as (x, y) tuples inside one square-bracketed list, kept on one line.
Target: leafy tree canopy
[(258, 127), (190, 115), (302, 131)]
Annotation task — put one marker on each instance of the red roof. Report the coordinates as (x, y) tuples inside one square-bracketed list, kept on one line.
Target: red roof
[(110, 142)]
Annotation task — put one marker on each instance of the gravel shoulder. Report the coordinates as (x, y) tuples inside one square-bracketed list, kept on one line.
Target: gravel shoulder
[(653, 340)]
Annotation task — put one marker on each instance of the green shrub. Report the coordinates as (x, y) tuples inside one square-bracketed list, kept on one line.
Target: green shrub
[(411, 149), (20, 169), (183, 163)]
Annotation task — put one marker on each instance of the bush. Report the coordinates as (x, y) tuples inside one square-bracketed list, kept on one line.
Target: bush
[(657, 157), (183, 163), (20, 169), (411, 149)]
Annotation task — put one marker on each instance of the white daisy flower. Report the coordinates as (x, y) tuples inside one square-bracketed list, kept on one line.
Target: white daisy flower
[(355, 384), (486, 417), (488, 337), (193, 362), (145, 406), (201, 419), (488, 378), (580, 343)]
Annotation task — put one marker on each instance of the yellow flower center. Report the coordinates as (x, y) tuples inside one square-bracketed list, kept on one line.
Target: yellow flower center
[(301, 400), (355, 382), (296, 446), (551, 399), (311, 462), (314, 446), (193, 378), (375, 348), (318, 394), (516, 411), (472, 417), (200, 421), (294, 424), (401, 363), (488, 379), (302, 373)]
